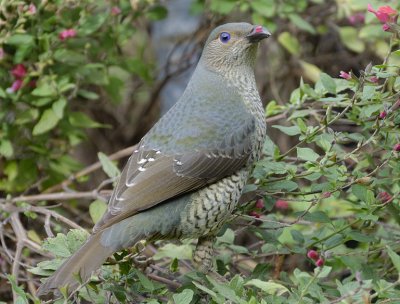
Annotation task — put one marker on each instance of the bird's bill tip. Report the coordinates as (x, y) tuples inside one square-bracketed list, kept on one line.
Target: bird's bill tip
[(258, 33)]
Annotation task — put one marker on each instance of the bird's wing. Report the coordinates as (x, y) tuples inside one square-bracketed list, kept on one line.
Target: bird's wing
[(152, 176)]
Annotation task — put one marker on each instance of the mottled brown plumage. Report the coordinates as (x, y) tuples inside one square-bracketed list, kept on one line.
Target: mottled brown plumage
[(188, 173)]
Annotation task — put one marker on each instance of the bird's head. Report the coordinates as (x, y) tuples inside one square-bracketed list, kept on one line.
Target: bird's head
[(233, 45)]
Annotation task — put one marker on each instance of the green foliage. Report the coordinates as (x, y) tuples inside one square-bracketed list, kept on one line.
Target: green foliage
[(332, 186)]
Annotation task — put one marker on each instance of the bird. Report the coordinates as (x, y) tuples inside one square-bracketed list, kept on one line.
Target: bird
[(187, 174)]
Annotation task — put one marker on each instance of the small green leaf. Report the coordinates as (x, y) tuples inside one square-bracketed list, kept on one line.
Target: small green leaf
[(146, 283), (301, 23), (328, 83), (47, 121), (174, 251), (185, 297), (317, 216), (269, 287), (19, 39), (79, 119), (290, 43), (58, 107), (291, 131), (108, 166), (97, 209), (44, 89), (157, 12), (395, 259), (6, 148), (349, 37), (307, 154)]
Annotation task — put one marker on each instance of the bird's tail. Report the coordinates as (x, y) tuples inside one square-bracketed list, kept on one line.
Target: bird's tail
[(87, 259)]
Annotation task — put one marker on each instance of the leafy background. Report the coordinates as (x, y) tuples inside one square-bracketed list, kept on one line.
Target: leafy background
[(319, 222)]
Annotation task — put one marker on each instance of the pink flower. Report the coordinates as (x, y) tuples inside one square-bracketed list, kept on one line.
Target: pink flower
[(313, 255), (396, 147), (2, 54), (320, 262), (254, 214), (384, 13), (260, 203), (345, 75), (356, 18), (17, 84), (374, 79), (386, 27), (281, 204), (382, 114), (19, 71), (66, 34), (32, 9), (384, 197), (115, 10)]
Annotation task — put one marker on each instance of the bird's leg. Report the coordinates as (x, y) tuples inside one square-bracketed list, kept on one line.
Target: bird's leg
[(203, 255), (140, 260)]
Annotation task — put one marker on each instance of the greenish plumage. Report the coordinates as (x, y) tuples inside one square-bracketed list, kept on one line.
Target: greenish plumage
[(189, 171)]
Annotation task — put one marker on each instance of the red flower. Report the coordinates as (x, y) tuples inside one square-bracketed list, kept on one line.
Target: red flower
[(345, 75), (396, 147), (115, 10), (386, 27), (19, 71), (16, 85), (384, 13), (281, 204), (313, 255), (254, 214), (384, 197), (260, 203), (65, 34), (320, 262), (382, 114)]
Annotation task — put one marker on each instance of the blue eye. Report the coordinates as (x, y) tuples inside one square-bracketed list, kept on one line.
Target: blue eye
[(224, 37)]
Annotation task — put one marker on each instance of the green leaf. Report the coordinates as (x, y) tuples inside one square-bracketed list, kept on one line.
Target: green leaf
[(360, 237), (222, 6), (226, 291), (174, 251), (20, 39), (291, 131), (269, 287), (328, 83), (146, 283), (6, 148), (317, 217), (265, 8), (88, 94), (290, 43), (44, 89), (108, 166), (47, 121), (157, 12), (58, 107), (97, 209), (311, 72), (307, 154), (185, 297), (79, 119), (22, 298), (301, 23), (92, 23), (349, 37), (285, 185), (395, 259), (69, 57)]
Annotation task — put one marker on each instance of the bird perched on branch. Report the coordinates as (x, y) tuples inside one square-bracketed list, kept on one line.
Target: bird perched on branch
[(188, 172)]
